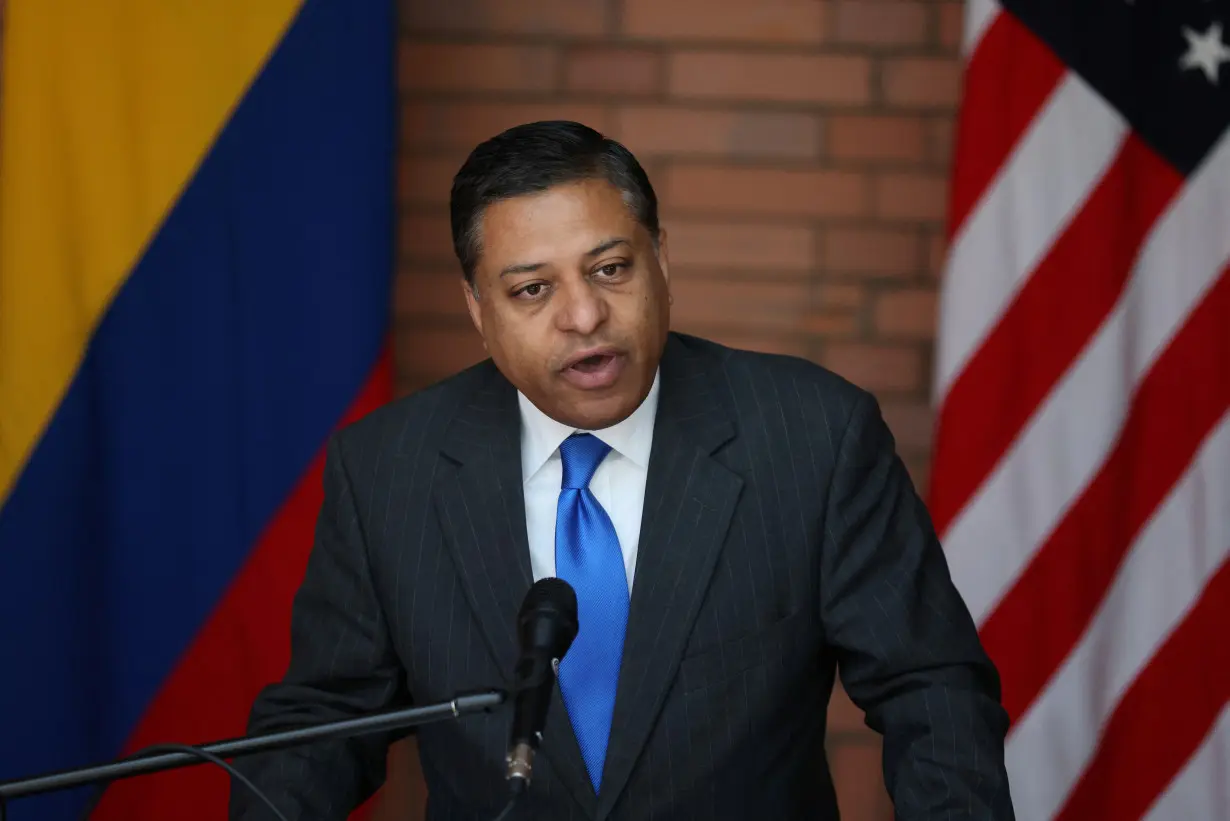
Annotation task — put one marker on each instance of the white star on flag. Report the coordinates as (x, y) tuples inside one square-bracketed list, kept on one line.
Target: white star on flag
[(1205, 51)]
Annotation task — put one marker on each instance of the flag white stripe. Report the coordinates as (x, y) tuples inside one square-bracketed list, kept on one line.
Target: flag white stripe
[(1069, 437), (1042, 186), (979, 15), (1202, 789), (1055, 740)]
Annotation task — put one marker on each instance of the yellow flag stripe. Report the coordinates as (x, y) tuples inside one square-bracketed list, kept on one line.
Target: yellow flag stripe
[(108, 106)]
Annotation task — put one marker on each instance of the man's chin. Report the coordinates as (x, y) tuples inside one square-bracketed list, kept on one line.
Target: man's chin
[(598, 409)]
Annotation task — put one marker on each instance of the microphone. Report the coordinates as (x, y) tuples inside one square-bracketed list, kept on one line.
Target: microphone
[(546, 627)]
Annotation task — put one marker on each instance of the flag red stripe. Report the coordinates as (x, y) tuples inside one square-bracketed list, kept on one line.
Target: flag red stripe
[(1164, 716), (1007, 79), (1176, 406), (209, 693), (1046, 326)]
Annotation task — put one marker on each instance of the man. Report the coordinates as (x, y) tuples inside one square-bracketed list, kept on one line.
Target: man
[(737, 527)]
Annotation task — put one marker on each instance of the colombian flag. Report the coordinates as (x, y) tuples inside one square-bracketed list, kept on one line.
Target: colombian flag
[(196, 247)]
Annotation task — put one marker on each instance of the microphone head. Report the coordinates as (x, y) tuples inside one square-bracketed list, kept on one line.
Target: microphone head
[(547, 620)]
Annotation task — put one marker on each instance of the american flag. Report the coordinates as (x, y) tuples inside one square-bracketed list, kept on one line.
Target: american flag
[(1081, 481)]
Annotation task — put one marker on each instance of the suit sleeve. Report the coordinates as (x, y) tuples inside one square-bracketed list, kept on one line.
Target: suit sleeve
[(342, 665), (908, 651)]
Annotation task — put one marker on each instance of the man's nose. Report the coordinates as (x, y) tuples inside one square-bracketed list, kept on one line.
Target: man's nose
[(582, 308)]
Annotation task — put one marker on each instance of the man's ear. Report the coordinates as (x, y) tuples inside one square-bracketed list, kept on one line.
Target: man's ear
[(476, 315), (664, 263), (663, 254)]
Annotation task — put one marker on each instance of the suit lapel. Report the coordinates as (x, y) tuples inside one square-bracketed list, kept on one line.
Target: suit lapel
[(690, 499), (481, 503)]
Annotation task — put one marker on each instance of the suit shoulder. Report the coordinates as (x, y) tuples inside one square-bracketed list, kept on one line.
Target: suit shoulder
[(777, 398), (759, 371), (421, 415)]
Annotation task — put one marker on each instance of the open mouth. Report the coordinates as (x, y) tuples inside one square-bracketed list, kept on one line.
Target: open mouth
[(598, 370), (590, 364)]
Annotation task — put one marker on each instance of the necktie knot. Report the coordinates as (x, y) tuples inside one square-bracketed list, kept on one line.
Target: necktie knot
[(581, 454)]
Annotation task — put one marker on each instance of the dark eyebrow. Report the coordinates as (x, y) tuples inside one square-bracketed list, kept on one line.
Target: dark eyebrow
[(531, 267), (521, 269), (603, 247)]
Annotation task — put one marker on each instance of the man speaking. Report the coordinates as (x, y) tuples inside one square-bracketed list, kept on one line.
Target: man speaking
[(737, 528)]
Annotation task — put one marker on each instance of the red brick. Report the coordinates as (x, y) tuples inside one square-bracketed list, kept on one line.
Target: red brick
[(758, 21), (583, 17), (429, 292), (451, 67), (951, 24), (884, 252), (940, 142), (877, 138), (905, 314), (738, 304), (831, 326), (912, 196), (877, 367), (613, 70), (729, 190), (880, 22), (437, 352), (937, 255), (464, 125), (912, 424), (774, 248), (922, 82), (832, 296), (858, 777), (427, 239), (771, 77), (664, 130), (426, 180)]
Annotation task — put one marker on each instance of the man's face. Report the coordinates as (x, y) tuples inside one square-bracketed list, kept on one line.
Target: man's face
[(573, 303)]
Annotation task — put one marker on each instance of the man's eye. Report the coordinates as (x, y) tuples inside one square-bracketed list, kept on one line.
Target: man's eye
[(531, 290), (611, 270)]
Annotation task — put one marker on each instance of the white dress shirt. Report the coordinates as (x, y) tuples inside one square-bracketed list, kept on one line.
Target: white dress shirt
[(618, 484)]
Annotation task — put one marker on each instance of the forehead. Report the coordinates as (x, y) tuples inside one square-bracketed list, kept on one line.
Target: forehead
[(563, 221)]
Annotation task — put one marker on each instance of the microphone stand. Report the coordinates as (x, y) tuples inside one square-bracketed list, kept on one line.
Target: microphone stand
[(143, 763)]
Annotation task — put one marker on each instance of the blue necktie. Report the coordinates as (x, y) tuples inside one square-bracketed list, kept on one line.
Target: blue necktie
[(588, 557)]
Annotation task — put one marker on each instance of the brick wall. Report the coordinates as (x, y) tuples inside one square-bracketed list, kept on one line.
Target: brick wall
[(800, 151)]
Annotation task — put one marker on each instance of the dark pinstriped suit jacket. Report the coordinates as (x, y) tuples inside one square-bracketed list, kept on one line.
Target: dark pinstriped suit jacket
[(781, 539)]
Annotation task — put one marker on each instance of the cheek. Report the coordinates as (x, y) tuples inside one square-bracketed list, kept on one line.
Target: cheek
[(651, 304), (514, 342)]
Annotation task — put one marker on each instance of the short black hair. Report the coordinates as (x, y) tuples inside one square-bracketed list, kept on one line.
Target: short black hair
[(531, 158)]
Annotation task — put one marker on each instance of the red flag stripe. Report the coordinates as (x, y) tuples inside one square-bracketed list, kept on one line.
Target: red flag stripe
[(1007, 80), (1169, 417), (1015, 368), (1201, 790), (1146, 745)]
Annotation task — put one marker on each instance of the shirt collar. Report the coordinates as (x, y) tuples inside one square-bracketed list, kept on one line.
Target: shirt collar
[(541, 435)]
